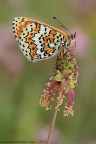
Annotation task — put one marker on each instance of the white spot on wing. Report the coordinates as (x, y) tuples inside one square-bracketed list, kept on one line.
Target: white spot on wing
[(33, 25), (42, 27), (38, 51), (35, 39), (39, 47), (37, 35), (51, 45)]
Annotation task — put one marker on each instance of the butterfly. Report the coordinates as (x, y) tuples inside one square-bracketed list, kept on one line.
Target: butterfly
[(39, 41)]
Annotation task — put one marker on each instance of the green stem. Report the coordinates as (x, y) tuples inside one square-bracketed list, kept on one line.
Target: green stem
[(52, 126)]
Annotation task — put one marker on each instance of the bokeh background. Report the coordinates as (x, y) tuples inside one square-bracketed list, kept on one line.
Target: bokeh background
[(22, 82)]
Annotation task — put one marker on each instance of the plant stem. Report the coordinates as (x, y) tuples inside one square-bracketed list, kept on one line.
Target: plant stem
[(52, 126)]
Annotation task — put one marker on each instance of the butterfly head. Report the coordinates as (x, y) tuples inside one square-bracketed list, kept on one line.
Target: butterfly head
[(73, 36), (68, 42)]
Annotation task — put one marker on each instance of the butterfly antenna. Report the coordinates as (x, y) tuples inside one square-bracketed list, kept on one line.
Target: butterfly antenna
[(62, 24)]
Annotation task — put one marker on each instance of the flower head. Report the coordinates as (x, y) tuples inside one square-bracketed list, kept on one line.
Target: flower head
[(61, 83)]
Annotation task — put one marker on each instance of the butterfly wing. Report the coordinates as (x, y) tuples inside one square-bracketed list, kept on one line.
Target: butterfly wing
[(37, 40)]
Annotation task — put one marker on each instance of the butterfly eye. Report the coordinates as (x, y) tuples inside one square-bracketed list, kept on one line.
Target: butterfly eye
[(72, 36)]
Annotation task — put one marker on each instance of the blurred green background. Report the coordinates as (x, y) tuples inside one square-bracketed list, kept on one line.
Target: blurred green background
[(22, 82)]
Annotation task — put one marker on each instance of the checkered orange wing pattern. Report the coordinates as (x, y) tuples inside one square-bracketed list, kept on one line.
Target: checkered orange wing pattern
[(37, 40)]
